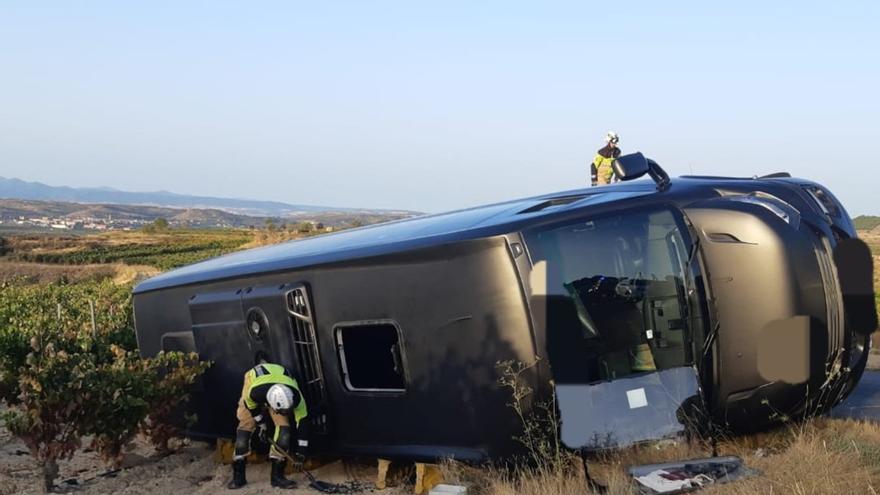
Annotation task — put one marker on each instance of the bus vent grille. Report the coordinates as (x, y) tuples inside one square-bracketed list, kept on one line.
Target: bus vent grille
[(307, 356), (833, 299)]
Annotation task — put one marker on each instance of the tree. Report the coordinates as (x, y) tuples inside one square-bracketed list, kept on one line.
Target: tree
[(159, 225)]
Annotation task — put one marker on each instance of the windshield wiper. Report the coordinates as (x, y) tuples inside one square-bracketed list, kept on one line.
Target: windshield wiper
[(684, 289), (692, 255), (713, 332), (710, 338)]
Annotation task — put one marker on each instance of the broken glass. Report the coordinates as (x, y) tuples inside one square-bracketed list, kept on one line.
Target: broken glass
[(621, 316), (626, 411)]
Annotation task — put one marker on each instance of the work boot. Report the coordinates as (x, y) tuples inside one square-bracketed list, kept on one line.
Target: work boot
[(238, 478), (278, 479)]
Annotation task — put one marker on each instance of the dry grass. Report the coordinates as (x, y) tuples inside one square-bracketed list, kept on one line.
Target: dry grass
[(822, 456), (266, 238), (833, 457), (40, 273), (131, 274)]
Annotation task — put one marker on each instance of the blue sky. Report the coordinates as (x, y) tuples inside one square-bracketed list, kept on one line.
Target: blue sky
[(433, 106)]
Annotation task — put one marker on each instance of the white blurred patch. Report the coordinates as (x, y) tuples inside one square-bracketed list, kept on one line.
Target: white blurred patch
[(636, 398)]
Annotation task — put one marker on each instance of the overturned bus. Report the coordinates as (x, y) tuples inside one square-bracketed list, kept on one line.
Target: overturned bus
[(636, 307)]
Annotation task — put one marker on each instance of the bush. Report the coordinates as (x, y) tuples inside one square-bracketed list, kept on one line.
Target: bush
[(65, 397), (118, 403), (66, 378), (51, 407), (539, 419), (134, 395), (175, 372), (14, 348)]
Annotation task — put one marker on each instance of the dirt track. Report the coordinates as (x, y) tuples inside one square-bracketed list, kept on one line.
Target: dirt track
[(190, 471)]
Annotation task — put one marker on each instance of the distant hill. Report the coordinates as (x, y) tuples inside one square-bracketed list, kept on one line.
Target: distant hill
[(11, 209), (19, 189), (866, 222)]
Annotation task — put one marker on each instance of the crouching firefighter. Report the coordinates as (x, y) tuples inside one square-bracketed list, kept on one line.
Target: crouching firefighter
[(269, 389)]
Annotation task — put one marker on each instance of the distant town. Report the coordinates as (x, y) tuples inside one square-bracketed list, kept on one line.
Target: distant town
[(26, 206), (59, 216), (89, 223), (128, 224)]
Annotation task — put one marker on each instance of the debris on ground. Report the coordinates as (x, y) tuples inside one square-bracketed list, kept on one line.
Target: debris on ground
[(688, 475)]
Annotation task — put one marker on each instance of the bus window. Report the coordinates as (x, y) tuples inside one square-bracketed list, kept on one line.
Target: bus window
[(616, 303)]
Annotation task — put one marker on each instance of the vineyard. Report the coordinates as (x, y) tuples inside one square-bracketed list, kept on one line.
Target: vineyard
[(163, 251), (71, 379), (70, 374)]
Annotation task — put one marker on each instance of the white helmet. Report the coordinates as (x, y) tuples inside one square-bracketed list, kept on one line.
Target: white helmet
[(280, 397), (612, 137)]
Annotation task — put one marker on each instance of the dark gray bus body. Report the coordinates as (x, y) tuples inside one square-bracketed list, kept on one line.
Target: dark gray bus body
[(396, 330)]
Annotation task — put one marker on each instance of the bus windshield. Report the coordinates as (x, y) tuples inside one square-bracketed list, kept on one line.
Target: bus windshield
[(617, 301)]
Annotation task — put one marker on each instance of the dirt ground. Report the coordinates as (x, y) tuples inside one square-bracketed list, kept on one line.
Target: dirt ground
[(192, 470)]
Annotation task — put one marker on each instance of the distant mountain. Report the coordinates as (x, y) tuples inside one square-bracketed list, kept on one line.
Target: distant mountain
[(16, 208), (19, 189), (13, 209)]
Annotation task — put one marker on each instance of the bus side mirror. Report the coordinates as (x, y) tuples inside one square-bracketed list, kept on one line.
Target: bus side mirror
[(629, 167), (635, 165)]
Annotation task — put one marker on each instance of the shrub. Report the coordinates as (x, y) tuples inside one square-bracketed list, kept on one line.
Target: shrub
[(175, 373), (65, 377), (14, 348), (132, 395), (53, 393), (539, 419), (67, 396), (118, 403)]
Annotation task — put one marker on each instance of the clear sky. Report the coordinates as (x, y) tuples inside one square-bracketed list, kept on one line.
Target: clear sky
[(434, 106)]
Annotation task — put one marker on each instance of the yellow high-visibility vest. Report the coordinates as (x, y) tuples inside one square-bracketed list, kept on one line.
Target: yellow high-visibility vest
[(604, 171), (272, 374)]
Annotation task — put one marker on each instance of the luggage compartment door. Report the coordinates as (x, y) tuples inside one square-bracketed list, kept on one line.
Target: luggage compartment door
[(219, 336)]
